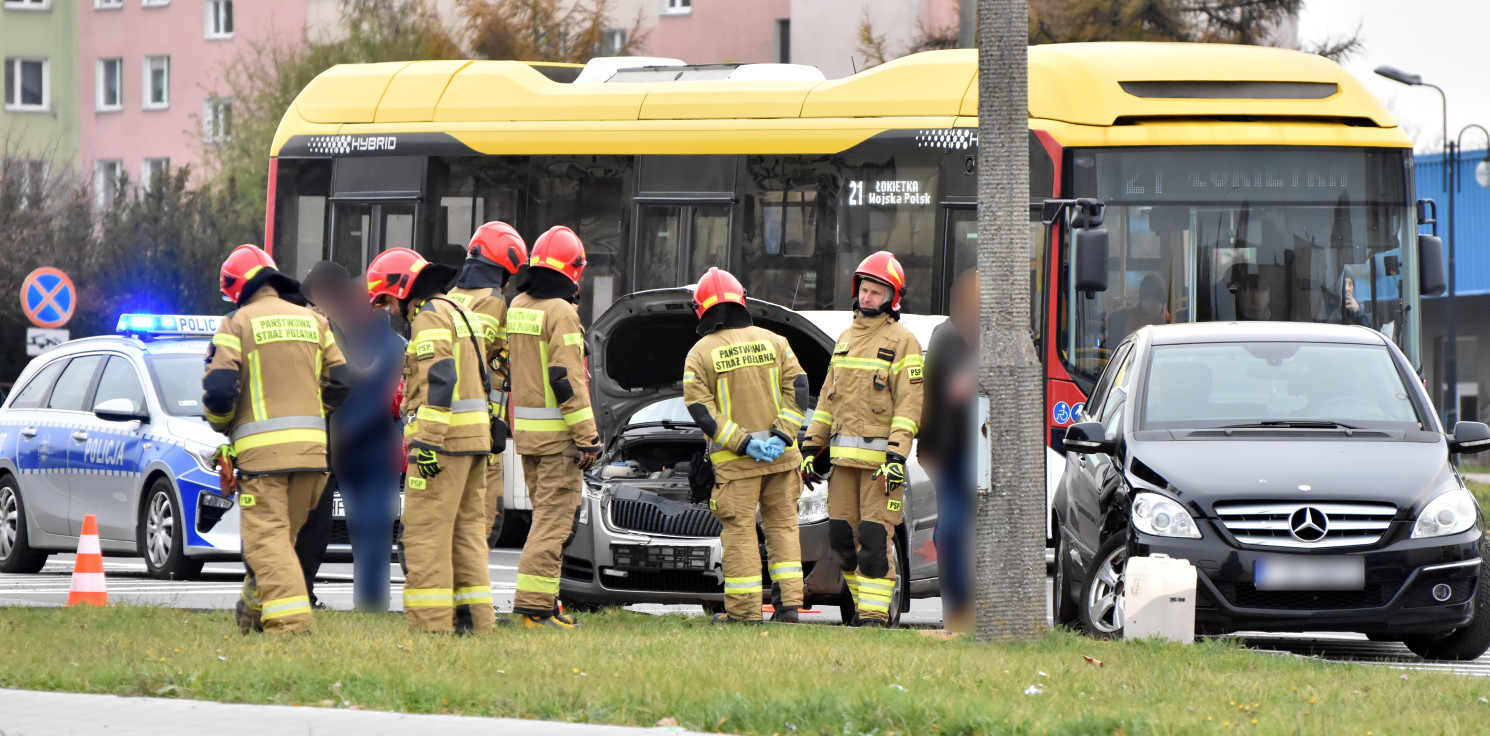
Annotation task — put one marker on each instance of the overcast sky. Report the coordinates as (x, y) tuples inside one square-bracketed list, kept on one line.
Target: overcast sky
[(1444, 41)]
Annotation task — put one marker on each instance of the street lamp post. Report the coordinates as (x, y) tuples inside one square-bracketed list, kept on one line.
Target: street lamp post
[(1450, 393)]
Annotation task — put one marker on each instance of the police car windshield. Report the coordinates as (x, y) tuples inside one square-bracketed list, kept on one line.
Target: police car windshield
[(1276, 384), (178, 383)]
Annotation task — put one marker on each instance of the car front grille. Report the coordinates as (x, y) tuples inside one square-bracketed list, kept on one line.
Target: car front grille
[(1245, 595), (1297, 525), (662, 581), (340, 535), (647, 518)]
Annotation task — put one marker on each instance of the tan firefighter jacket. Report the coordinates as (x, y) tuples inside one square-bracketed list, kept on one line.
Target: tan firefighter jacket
[(871, 398), (489, 306), (551, 410), (739, 384), (444, 402), (274, 372)]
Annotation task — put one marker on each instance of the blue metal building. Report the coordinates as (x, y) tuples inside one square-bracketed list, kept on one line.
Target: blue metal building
[(1471, 215)]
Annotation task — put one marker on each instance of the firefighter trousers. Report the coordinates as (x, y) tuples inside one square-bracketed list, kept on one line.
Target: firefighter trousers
[(555, 485), (272, 508), (448, 586), (494, 481), (734, 503), (861, 530)]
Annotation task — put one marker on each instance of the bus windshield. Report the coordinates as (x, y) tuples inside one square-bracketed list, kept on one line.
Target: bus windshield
[(1243, 233)]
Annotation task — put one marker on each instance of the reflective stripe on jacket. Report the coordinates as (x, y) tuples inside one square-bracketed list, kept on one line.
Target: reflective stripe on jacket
[(281, 355), (871, 399), (444, 402), (743, 378), (550, 396)]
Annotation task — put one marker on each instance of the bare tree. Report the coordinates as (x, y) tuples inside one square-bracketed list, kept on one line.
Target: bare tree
[(546, 30), (1010, 580)]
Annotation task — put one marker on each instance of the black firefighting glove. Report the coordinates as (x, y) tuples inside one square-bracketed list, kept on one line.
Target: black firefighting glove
[(423, 457), (893, 471), (814, 465), (589, 455)]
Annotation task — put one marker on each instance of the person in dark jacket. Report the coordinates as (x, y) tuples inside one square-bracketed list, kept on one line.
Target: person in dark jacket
[(945, 447), (365, 444)]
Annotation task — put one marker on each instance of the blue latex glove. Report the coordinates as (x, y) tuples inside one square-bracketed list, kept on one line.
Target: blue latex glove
[(776, 446), (759, 450)]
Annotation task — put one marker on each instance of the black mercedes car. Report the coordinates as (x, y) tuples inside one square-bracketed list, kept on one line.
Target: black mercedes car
[(1300, 467)]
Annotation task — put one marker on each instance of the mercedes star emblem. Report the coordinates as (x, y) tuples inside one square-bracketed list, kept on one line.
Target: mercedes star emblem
[(1308, 524)]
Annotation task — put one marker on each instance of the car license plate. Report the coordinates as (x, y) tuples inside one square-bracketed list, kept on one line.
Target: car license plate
[(648, 557), (1290, 572)]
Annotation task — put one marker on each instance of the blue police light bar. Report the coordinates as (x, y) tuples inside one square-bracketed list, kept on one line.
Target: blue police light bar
[(167, 325)]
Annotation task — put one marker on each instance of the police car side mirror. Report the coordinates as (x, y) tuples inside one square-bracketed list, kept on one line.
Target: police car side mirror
[(1088, 438), (1469, 438), (120, 410)]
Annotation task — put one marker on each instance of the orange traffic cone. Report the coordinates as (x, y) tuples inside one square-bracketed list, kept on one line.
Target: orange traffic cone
[(87, 572)]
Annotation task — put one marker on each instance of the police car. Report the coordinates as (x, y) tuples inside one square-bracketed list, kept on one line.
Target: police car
[(112, 426)]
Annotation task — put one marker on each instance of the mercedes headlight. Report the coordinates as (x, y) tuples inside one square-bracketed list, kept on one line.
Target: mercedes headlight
[(1450, 513), (812, 507), (1161, 517)]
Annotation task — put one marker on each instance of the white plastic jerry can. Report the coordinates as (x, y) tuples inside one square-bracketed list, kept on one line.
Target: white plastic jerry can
[(1159, 599)]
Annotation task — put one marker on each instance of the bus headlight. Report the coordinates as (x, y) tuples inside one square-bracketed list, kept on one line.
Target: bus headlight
[(1450, 513), (1159, 516), (812, 507)]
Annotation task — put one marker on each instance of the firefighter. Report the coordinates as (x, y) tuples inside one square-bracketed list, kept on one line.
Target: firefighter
[(552, 420), (495, 254), (866, 420), (448, 430), (743, 386), (274, 372)]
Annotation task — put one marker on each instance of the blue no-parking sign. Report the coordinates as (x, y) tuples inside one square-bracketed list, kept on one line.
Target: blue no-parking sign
[(48, 298)]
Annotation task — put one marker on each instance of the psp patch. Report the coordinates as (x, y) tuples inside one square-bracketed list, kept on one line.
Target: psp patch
[(425, 349), (247, 501), (914, 373), (893, 505)]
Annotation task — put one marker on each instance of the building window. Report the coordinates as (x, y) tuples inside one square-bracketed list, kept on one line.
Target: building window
[(217, 119), (107, 176), (28, 4), (157, 82), (153, 168), (28, 84), (110, 84), (676, 7), (613, 42), (219, 18), (108, 4), (784, 40)]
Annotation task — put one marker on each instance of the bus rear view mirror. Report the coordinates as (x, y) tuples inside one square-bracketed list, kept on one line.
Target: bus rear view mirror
[(1432, 276), (1091, 260)]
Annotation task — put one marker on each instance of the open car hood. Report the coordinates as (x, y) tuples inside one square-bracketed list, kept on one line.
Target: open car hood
[(638, 347)]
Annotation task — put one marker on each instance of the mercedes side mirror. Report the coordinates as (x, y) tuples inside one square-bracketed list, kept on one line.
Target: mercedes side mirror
[(120, 410), (1469, 438), (1088, 438)]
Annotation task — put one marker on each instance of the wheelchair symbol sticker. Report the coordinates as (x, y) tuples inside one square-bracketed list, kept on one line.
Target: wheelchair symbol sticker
[(1061, 413)]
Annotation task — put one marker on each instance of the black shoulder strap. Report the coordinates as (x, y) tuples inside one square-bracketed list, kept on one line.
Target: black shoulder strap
[(480, 356)]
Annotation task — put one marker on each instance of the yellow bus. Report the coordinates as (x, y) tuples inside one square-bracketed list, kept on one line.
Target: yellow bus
[(1217, 165)]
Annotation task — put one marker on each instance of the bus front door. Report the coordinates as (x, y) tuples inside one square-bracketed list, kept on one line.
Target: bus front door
[(677, 242), (362, 229)]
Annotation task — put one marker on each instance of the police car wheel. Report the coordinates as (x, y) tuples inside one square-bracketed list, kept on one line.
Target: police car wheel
[(16, 553), (161, 537)]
